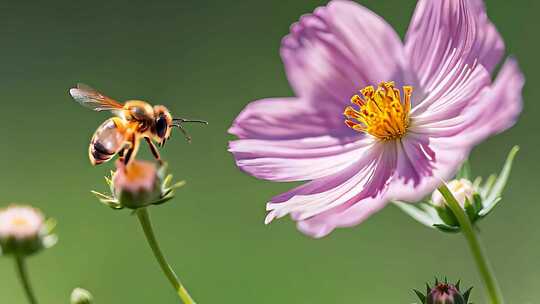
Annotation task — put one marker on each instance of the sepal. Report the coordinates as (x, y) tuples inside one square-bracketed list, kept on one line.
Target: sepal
[(484, 198)]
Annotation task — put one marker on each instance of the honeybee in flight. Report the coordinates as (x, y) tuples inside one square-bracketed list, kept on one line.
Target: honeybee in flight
[(134, 120)]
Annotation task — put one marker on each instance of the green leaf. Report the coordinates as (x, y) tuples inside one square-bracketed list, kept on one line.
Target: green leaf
[(167, 181), (177, 185), (498, 187), (111, 203), (464, 171), (49, 225), (488, 185), (49, 241), (477, 202), (416, 213), (163, 200), (420, 295), (100, 195), (467, 294), (470, 210), (447, 216), (447, 228), (492, 205)]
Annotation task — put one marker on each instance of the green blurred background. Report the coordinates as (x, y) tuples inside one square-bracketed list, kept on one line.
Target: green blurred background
[(208, 59)]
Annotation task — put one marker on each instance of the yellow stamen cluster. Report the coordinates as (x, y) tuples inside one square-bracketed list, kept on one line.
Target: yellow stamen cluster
[(381, 113)]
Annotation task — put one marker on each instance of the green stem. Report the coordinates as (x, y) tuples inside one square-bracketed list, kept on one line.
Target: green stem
[(144, 219), (23, 275), (486, 272)]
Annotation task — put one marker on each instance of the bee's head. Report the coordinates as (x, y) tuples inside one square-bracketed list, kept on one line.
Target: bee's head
[(162, 124)]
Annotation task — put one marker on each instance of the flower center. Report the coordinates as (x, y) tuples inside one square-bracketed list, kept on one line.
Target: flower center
[(381, 112), (19, 222)]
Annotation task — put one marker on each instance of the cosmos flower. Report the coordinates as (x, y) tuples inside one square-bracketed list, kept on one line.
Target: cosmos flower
[(376, 119), (24, 230)]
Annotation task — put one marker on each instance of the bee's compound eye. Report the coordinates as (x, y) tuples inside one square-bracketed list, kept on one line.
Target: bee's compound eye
[(161, 126)]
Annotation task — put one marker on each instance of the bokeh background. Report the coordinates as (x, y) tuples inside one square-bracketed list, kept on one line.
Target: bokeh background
[(208, 59)]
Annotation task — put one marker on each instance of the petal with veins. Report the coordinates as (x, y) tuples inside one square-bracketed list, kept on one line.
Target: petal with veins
[(338, 49)]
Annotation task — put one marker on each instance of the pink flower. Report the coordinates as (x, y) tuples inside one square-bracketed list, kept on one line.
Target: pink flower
[(395, 144)]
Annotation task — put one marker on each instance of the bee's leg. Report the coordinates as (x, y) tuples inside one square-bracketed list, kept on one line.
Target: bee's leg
[(127, 157), (121, 154), (154, 150), (131, 150)]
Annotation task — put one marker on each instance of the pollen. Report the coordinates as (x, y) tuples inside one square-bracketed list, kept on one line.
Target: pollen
[(381, 113)]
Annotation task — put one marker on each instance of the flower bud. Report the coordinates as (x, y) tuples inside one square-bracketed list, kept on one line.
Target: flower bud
[(444, 293), (138, 185), (24, 230), (462, 189), (81, 296)]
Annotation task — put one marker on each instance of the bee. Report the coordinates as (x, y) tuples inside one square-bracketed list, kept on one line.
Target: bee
[(134, 120)]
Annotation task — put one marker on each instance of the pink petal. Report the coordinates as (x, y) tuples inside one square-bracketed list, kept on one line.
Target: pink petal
[(490, 45), (298, 159), (279, 118), (421, 165), (365, 179), (347, 216), (445, 36), (499, 107), (450, 98), (476, 116), (337, 50)]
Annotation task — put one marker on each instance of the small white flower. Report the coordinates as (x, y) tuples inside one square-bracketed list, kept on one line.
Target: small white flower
[(24, 230), (462, 189), (20, 222)]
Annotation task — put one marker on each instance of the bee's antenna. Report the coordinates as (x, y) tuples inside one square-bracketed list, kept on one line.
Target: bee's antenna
[(184, 131), (177, 122), (182, 120)]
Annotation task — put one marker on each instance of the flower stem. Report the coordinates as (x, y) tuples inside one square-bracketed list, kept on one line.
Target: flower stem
[(486, 272), (144, 219), (23, 275)]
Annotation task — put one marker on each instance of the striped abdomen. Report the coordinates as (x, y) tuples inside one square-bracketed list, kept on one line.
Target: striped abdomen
[(108, 140)]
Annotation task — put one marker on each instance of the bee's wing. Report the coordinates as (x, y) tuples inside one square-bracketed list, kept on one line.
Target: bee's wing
[(92, 99)]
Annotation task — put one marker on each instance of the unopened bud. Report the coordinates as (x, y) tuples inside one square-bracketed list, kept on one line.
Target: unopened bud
[(444, 293), (462, 189), (137, 184), (81, 296)]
